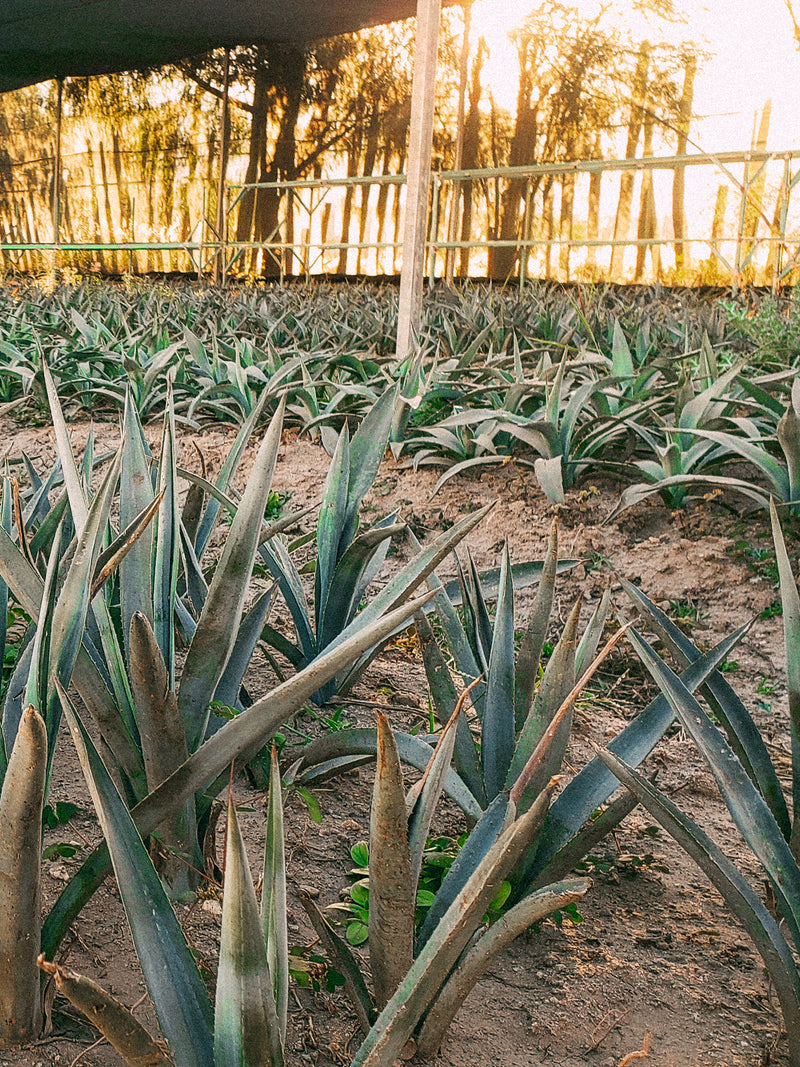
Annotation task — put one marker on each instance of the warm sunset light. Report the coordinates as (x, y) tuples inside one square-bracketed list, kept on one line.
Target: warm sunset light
[(751, 57)]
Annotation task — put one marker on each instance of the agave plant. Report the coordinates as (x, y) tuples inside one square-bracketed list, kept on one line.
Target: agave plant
[(156, 720), (749, 785), (706, 431), (247, 1023), (27, 749), (419, 981), (518, 738), (348, 560)]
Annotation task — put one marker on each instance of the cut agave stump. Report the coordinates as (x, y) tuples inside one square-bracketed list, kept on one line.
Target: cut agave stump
[(21, 804)]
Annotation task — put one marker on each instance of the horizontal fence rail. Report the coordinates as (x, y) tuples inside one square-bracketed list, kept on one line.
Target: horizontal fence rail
[(734, 222)]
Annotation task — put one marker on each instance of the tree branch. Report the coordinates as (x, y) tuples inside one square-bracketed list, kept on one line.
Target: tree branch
[(207, 87)]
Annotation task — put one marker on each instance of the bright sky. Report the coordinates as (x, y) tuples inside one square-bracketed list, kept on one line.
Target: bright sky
[(753, 57)]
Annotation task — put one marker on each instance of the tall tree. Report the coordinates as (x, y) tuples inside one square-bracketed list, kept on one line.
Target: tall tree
[(679, 180)]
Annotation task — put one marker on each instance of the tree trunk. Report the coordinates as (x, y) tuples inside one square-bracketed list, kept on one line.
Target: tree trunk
[(347, 210), (678, 184), (627, 177), (107, 201), (257, 152), (370, 155), (396, 221), (523, 150), (592, 226), (380, 212), (647, 211), (565, 224), (754, 183), (469, 152), (549, 227), (289, 64)]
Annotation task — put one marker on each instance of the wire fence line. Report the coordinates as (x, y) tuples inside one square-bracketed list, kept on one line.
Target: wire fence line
[(736, 223)]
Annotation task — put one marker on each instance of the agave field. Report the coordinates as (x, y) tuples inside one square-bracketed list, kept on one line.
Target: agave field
[(356, 713)]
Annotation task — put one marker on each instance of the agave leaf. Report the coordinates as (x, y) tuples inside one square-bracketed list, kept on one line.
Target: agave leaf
[(594, 784), (558, 680), (273, 896), (523, 575), (424, 796), (583, 843), (331, 524), (408, 578), (250, 630), (391, 887), (530, 652), (285, 573), (363, 741), (222, 612), (175, 986), (193, 510), (239, 739), (246, 1029), (497, 737), (167, 544), (56, 517), (444, 697), (225, 475), (21, 806), (72, 480), (474, 594), (743, 736), (163, 749), (115, 1022), (343, 959), (474, 962), (788, 434), (635, 494), (549, 474), (135, 494), (13, 703), (423, 980), (366, 452), (346, 586), (112, 557), (740, 898), (38, 683), (748, 808), (542, 754), (498, 816), (761, 459), (590, 641), (440, 682), (790, 601), (5, 522), (70, 610), (465, 465)]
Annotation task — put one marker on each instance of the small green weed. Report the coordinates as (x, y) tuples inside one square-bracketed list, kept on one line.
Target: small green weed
[(440, 852), (311, 971)]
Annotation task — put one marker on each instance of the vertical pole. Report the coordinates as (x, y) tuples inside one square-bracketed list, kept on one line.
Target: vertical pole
[(455, 192), (785, 190), (434, 226), (55, 193), (737, 269), (221, 226), (419, 166), (525, 248)]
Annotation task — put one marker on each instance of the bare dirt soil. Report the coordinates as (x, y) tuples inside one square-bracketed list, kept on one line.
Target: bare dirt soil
[(657, 967)]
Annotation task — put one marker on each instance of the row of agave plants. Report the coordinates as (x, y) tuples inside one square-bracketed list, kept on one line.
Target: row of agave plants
[(113, 590), (669, 394)]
